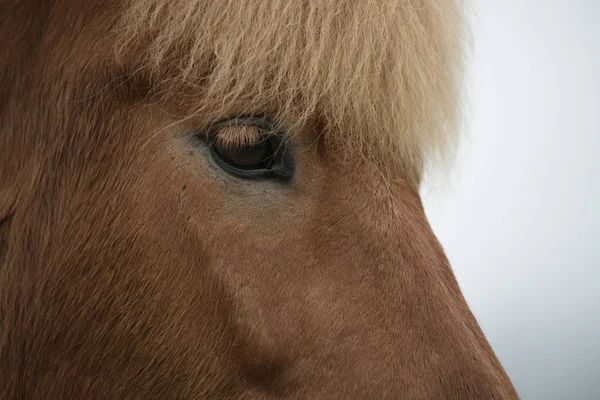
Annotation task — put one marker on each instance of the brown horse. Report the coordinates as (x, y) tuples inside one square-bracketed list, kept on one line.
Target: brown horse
[(219, 199)]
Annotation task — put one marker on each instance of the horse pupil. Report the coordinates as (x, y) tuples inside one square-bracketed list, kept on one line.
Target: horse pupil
[(254, 156)]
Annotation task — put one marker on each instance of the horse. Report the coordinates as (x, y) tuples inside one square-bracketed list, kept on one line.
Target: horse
[(208, 199)]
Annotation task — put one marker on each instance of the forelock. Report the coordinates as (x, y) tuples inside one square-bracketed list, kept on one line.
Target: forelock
[(382, 77)]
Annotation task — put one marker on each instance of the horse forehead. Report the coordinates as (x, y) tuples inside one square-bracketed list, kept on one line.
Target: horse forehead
[(384, 77)]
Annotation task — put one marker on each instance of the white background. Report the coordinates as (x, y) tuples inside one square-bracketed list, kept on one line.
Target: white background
[(519, 216)]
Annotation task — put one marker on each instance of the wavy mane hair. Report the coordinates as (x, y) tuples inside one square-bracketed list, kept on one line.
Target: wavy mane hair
[(382, 78)]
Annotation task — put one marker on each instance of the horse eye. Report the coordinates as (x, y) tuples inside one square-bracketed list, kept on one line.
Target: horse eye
[(250, 148), (252, 156)]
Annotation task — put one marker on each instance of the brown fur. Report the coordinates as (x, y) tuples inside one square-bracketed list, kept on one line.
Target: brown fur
[(132, 267)]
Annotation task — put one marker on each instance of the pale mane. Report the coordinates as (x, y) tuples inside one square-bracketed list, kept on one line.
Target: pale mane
[(382, 76)]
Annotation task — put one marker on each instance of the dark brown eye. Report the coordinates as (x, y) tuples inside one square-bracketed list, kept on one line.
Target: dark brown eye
[(246, 156), (250, 147)]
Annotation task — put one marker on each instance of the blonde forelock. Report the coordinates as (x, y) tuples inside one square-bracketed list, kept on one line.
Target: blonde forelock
[(384, 77)]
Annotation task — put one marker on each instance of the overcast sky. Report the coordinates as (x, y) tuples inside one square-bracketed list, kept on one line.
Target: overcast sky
[(520, 215)]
